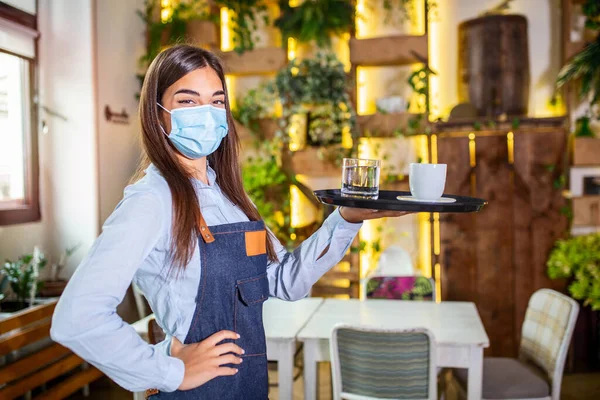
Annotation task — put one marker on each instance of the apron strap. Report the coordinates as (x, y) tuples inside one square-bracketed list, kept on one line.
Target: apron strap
[(204, 231)]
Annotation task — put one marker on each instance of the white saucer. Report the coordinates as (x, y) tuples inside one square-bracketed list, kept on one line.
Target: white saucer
[(440, 200)]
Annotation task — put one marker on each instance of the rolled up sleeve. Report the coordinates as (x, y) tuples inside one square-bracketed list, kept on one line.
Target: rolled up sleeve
[(296, 272)]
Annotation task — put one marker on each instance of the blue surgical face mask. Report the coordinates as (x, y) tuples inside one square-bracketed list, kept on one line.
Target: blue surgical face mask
[(197, 131)]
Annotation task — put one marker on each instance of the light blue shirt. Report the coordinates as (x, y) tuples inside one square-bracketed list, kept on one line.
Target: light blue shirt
[(134, 245)]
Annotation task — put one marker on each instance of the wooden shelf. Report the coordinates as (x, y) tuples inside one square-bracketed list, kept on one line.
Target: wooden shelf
[(388, 50), (267, 60), (586, 151), (386, 125), (586, 211), (307, 162)]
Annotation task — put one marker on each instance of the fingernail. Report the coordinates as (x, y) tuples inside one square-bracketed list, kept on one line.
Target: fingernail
[(243, 351), (241, 360), (236, 370), (238, 335)]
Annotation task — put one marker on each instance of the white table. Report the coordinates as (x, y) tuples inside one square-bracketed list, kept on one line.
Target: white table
[(459, 333), (282, 321)]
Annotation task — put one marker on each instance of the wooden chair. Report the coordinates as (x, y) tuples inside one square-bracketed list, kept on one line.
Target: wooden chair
[(25, 334), (537, 373), (371, 364)]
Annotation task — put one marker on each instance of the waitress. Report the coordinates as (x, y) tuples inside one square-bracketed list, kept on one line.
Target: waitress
[(188, 235)]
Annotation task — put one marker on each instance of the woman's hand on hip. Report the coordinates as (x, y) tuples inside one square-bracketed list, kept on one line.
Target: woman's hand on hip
[(204, 361), (356, 215)]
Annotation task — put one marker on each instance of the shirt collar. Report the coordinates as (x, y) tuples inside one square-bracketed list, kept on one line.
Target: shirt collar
[(210, 173)]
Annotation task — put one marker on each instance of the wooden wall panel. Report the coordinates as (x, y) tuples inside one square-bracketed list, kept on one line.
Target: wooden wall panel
[(497, 257), (494, 243), (458, 256)]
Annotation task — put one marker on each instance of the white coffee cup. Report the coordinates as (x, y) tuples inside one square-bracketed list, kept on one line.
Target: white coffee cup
[(427, 181)]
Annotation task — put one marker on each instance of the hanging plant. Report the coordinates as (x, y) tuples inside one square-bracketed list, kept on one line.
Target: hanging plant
[(318, 88), (245, 19), (315, 20)]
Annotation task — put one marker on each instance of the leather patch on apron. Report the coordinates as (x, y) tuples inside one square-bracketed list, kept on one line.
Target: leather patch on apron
[(256, 243)]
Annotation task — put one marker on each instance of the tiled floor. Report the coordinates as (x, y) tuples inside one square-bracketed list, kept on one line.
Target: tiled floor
[(575, 387)]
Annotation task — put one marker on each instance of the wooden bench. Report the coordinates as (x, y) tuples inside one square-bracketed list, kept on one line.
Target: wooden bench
[(34, 369)]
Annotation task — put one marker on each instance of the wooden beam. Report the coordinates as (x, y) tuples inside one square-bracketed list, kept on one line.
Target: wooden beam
[(389, 50), (267, 60), (391, 124), (32, 363), (586, 211), (71, 385), (26, 317), (586, 151)]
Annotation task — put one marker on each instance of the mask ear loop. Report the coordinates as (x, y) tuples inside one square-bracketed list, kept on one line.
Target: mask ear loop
[(159, 124)]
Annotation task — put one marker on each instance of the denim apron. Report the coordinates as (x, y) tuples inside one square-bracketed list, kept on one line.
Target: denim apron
[(233, 287)]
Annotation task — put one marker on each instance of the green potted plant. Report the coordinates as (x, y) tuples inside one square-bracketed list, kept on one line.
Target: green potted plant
[(578, 259), (315, 21), (22, 276), (317, 88)]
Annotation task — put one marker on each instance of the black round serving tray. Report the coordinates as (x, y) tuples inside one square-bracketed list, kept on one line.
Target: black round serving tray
[(387, 201)]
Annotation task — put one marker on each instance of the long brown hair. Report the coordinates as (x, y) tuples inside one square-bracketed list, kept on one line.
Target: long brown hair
[(167, 68)]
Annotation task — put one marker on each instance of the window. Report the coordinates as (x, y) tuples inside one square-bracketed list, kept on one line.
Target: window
[(18, 124)]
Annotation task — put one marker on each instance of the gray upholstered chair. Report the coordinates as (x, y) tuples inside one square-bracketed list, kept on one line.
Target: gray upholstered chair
[(372, 364), (545, 338)]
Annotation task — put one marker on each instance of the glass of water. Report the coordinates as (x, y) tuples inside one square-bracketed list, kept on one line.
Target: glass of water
[(360, 178)]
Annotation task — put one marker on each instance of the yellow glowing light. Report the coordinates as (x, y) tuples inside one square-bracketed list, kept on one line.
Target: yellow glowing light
[(226, 36), (296, 216), (166, 10), (297, 131), (422, 148), (472, 150), (292, 48), (361, 91), (343, 51), (230, 82), (510, 143), (302, 211), (438, 283), (434, 152), (435, 64), (424, 260), (293, 236), (294, 3), (360, 19), (436, 234), (347, 141)]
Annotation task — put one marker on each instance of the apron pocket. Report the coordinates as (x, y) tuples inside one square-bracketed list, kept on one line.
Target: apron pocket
[(251, 293)]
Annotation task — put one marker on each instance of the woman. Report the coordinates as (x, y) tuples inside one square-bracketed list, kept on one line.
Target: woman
[(190, 238)]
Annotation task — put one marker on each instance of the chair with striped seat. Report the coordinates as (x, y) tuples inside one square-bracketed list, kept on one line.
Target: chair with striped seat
[(373, 364), (545, 337)]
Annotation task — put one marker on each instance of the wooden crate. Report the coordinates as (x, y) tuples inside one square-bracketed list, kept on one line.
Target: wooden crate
[(267, 60), (387, 125), (586, 211), (388, 50), (586, 151)]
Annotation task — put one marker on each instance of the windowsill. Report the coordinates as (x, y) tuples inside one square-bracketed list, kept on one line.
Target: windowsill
[(15, 212)]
